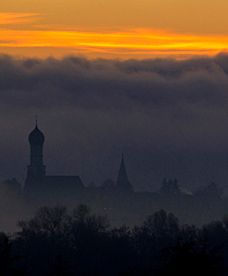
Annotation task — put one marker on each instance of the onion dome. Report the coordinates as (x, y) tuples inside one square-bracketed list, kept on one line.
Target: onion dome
[(36, 137)]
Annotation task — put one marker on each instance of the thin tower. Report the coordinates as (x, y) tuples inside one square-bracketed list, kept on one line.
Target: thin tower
[(122, 180), (36, 169)]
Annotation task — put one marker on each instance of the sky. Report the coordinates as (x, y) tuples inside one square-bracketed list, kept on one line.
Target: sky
[(114, 29)]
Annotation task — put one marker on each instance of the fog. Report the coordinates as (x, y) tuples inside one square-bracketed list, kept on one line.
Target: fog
[(168, 117)]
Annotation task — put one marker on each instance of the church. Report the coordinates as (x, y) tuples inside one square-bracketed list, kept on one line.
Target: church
[(38, 182)]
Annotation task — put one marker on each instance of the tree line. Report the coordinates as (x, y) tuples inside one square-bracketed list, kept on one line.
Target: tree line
[(58, 242)]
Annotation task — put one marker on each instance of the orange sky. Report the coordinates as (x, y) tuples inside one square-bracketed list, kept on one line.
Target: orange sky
[(114, 29)]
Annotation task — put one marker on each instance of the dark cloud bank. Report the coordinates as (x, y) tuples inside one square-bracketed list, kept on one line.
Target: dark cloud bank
[(169, 117)]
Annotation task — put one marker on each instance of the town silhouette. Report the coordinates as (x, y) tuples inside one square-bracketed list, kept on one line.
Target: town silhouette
[(60, 226), (114, 198)]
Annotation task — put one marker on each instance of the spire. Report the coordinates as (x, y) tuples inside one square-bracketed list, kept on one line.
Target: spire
[(122, 158), (36, 121), (123, 170), (122, 180), (36, 168), (36, 137)]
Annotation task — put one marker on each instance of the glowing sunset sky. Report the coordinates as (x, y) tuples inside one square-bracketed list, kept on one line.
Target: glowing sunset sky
[(113, 29)]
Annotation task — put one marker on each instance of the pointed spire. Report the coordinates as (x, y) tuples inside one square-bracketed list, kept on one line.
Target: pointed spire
[(36, 121), (122, 170), (122, 180)]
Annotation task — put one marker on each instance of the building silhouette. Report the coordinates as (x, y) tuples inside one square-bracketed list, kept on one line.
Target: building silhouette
[(36, 180), (39, 183), (36, 170), (123, 183)]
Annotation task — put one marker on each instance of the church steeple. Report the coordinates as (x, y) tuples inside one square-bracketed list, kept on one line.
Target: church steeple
[(36, 169), (122, 180), (36, 120)]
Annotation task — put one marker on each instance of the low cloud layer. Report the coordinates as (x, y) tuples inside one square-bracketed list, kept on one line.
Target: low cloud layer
[(169, 117)]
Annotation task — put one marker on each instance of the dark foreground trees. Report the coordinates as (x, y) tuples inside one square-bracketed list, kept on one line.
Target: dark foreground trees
[(56, 242)]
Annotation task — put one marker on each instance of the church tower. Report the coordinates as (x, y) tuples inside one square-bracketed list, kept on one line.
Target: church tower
[(36, 169), (122, 180)]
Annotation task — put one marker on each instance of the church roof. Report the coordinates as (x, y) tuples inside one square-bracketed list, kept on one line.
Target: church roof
[(63, 181)]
